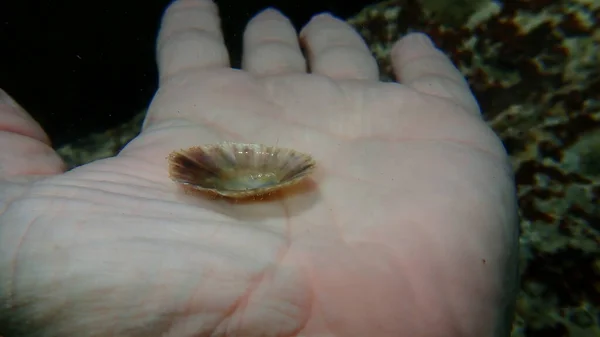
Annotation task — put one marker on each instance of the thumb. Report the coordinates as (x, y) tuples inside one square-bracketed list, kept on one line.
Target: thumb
[(24, 146)]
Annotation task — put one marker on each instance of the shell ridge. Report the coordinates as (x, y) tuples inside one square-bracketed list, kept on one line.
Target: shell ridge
[(222, 155), (192, 165)]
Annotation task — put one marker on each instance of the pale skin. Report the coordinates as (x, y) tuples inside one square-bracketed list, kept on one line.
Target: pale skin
[(407, 229)]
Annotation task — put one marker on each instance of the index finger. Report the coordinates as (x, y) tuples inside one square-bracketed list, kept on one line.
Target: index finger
[(190, 37), (420, 65)]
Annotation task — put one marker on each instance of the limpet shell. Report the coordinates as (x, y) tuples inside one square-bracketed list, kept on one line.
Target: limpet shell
[(238, 170)]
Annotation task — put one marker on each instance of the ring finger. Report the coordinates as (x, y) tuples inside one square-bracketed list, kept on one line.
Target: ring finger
[(336, 50)]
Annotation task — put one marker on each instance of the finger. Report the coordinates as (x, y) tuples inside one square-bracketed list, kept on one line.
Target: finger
[(336, 50), (190, 37), (271, 45), (24, 147), (419, 64)]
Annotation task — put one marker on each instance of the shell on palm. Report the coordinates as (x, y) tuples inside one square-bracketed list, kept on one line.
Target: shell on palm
[(238, 170)]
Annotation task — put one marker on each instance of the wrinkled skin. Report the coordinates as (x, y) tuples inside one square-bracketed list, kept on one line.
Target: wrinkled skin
[(407, 229)]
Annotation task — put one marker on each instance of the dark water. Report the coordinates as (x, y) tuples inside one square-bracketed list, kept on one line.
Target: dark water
[(79, 68)]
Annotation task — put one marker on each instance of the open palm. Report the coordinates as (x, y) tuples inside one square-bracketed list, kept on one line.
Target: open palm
[(407, 230)]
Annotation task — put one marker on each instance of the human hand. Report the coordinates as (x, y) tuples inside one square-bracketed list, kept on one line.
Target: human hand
[(409, 229)]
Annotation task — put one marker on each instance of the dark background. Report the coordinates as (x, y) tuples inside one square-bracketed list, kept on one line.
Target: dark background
[(84, 66)]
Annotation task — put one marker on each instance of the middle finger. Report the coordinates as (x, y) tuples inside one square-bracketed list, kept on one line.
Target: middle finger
[(271, 45)]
